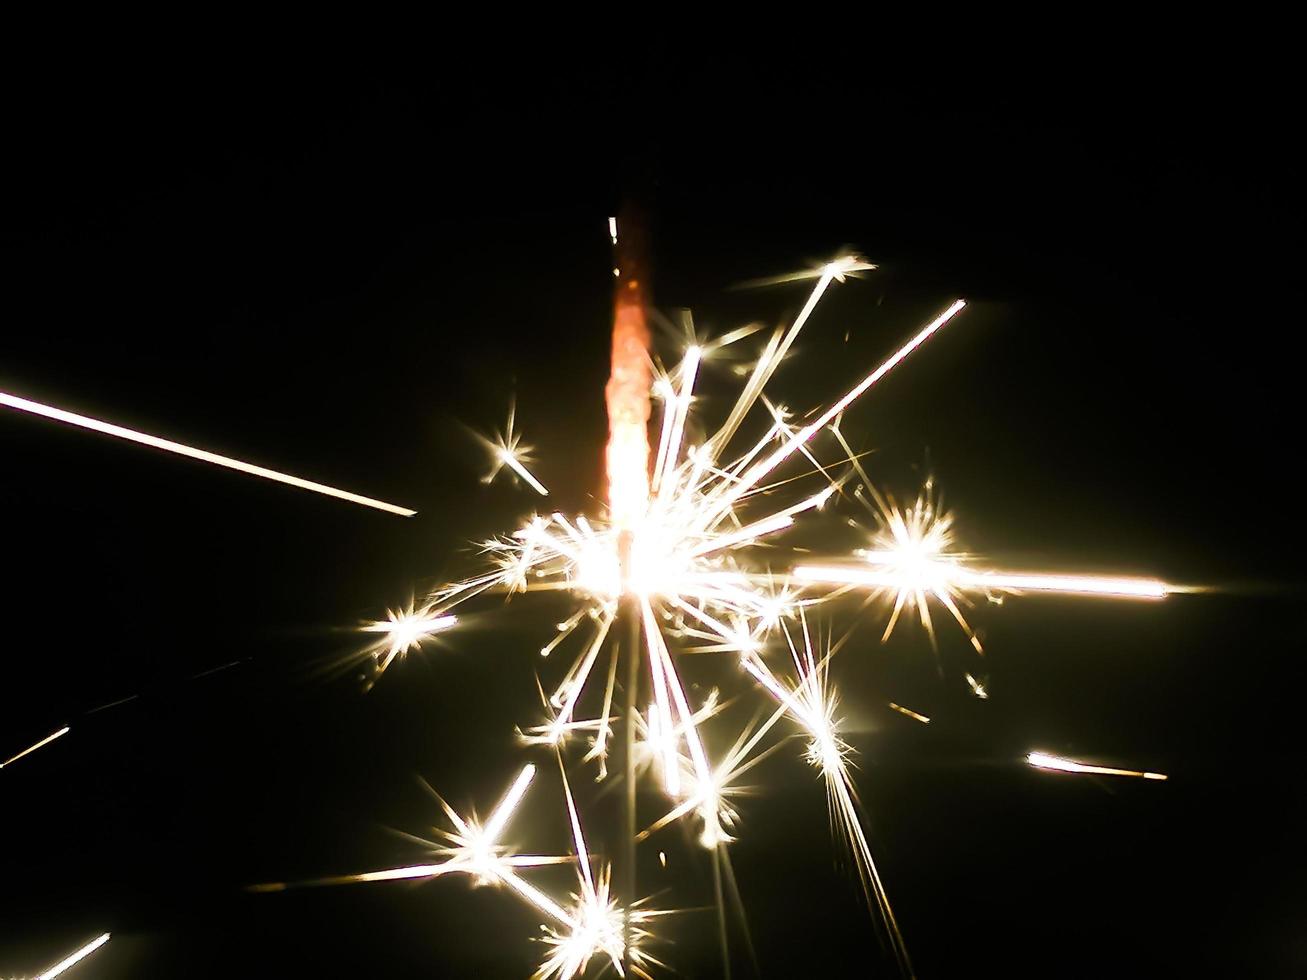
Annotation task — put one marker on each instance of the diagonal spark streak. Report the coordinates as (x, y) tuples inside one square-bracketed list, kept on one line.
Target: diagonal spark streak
[(32, 748), (1041, 760), (75, 958), (131, 435)]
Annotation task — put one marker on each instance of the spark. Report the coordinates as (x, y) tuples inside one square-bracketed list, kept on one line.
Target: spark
[(131, 435), (75, 958), (32, 748), (506, 450), (909, 713), (405, 630), (1041, 760), (515, 464), (913, 557)]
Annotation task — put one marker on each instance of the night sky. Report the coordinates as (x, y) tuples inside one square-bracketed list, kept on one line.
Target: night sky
[(333, 274)]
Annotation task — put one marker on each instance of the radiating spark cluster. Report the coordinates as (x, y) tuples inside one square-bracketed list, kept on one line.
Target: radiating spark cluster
[(693, 543)]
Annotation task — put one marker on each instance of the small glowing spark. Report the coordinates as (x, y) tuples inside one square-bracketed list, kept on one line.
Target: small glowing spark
[(908, 712), (506, 450), (612, 229), (131, 435), (977, 688), (32, 748), (75, 958), (1041, 760)]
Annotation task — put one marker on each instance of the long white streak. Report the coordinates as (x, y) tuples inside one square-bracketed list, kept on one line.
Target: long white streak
[(689, 370), (1080, 584), (506, 807), (75, 958), (880, 576), (767, 525), (535, 896), (565, 715), (771, 361), (578, 839), (792, 445), (32, 748), (671, 767), (131, 435), (1041, 760), (703, 772)]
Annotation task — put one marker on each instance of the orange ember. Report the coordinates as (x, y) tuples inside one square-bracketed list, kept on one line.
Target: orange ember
[(627, 395)]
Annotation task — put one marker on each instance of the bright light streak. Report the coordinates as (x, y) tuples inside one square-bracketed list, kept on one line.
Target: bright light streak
[(800, 438), (908, 712), (32, 748), (131, 435), (1041, 760), (512, 462), (75, 958), (962, 578), (495, 825)]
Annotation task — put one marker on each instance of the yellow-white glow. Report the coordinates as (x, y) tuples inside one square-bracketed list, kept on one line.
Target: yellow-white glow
[(75, 958), (1042, 760), (32, 748), (131, 435)]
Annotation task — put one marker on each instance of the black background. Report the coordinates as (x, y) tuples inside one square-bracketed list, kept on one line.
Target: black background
[(331, 272)]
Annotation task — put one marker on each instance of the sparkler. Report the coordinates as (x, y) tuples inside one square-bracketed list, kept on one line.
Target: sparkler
[(679, 551), (679, 556)]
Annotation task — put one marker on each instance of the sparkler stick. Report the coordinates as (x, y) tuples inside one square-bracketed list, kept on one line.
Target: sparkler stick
[(627, 398), (71, 961), (32, 748), (131, 435)]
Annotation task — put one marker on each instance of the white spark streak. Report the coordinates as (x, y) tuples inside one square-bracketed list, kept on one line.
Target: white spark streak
[(1041, 760), (963, 578), (32, 748), (75, 958), (131, 435)]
